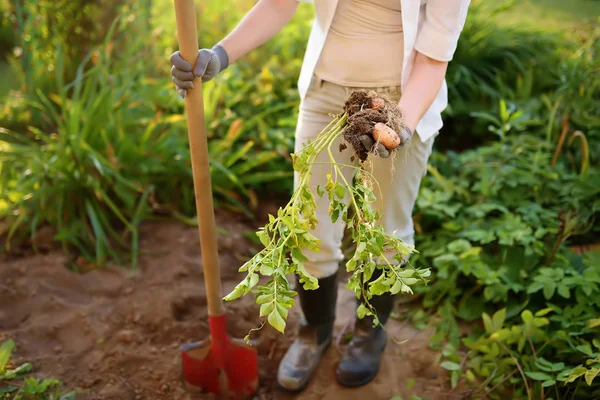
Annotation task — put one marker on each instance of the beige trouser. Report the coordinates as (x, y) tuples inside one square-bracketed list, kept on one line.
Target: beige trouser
[(399, 185)]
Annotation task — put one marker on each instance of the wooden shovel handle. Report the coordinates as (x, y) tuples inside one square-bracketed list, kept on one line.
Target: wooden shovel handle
[(185, 13)]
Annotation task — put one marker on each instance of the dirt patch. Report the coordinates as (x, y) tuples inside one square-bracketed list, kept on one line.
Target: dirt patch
[(115, 333)]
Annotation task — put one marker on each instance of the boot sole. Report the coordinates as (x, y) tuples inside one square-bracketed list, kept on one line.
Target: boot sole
[(359, 383)]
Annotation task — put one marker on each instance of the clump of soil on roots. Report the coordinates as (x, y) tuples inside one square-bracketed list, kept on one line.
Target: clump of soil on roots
[(364, 109)]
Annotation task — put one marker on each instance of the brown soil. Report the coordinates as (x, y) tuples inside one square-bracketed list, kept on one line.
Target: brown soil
[(115, 333), (364, 109)]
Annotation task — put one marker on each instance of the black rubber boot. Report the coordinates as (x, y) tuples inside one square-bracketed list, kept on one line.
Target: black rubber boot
[(361, 359), (314, 335)]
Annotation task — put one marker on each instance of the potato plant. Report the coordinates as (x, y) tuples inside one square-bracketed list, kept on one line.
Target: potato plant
[(288, 234)]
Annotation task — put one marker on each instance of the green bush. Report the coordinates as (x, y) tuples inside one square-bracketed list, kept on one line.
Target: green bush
[(99, 154), (497, 223)]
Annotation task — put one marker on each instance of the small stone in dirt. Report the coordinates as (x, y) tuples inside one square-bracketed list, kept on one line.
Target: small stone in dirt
[(153, 350), (89, 382), (164, 388), (136, 317), (128, 290), (112, 391), (126, 336), (58, 349)]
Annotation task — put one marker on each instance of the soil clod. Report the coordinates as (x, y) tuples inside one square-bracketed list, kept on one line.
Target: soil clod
[(364, 110)]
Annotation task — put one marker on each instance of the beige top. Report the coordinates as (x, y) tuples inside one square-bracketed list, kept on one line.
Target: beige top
[(364, 44)]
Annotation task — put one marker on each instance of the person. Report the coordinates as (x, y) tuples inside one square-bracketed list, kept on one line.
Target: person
[(400, 48)]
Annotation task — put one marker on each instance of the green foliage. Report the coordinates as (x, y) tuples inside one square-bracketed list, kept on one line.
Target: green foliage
[(75, 27), (499, 220), (491, 55), (94, 157), (287, 235), (15, 384), (7, 32)]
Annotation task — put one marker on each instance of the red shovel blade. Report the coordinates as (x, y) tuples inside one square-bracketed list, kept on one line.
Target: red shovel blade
[(220, 365)]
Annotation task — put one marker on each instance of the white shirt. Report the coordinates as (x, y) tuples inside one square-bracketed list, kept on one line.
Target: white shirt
[(431, 27)]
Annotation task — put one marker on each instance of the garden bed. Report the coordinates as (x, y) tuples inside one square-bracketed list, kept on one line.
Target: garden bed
[(114, 333)]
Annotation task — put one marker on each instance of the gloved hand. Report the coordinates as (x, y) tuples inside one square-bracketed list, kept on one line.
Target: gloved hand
[(379, 149), (209, 63)]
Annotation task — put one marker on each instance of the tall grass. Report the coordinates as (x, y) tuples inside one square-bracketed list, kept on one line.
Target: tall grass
[(112, 151)]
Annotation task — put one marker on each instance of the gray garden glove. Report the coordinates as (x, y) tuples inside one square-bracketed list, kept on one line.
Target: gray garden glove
[(379, 149), (209, 63)]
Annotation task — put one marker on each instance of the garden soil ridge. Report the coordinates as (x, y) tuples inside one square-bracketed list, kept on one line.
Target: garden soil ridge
[(114, 333)]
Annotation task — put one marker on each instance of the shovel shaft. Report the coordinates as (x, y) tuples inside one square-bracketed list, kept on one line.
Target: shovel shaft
[(185, 14)]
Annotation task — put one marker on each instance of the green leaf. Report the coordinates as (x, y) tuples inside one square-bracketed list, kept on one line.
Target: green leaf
[(594, 323), (236, 293), (563, 290), (340, 191), (5, 352), (297, 255), (320, 191), (450, 366), (276, 321), (459, 246), (263, 298), (576, 373), (266, 308), (591, 374), (527, 316), (362, 311), (395, 289), (283, 312), (543, 312), (253, 280), (15, 373), (498, 319), (406, 273), (549, 289), (487, 323), (361, 247), (538, 376), (454, 378), (549, 382), (585, 349), (263, 237), (266, 270)]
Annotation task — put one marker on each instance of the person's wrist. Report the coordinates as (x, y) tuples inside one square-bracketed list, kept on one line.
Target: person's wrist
[(222, 55), (408, 127)]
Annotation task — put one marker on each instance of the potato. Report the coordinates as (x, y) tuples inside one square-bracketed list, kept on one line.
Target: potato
[(377, 103), (386, 135)]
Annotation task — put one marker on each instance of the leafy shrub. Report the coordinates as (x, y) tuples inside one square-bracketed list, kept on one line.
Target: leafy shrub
[(103, 152), (497, 222)]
